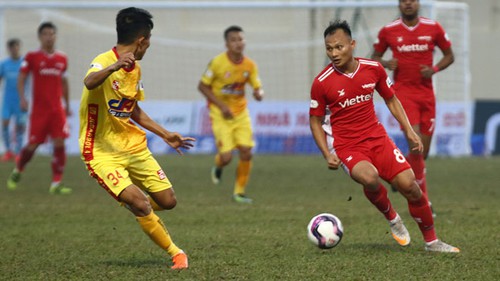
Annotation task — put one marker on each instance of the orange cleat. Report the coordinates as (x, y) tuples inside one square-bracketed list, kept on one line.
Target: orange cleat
[(180, 261)]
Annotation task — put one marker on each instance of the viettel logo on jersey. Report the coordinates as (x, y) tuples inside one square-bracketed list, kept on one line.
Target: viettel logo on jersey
[(121, 108)]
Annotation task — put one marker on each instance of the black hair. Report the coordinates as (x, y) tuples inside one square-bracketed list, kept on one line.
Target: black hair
[(12, 42), (232, 28), (46, 24), (337, 24), (132, 23)]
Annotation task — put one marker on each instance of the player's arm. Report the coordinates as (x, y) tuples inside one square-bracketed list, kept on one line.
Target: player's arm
[(65, 89), (21, 82), (315, 123), (447, 59), (96, 78), (173, 139), (399, 113), (206, 90), (389, 64)]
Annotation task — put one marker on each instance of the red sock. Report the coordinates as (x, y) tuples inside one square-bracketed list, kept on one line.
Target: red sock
[(23, 158), (58, 162), (381, 201), (417, 164), (421, 213)]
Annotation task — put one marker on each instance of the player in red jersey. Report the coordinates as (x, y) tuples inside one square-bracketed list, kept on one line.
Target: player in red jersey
[(344, 89), (48, 116), (412, 40)]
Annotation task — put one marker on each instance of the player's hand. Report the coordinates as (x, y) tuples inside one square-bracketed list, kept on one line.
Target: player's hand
[(23, 103), (125, 61), (426, 71), (333, 161), (176, 141), (414, 142), (226, 112), (258, 94), (392, 64)]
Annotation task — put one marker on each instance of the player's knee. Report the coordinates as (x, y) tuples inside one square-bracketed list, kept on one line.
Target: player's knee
[(369, 179), (411, 191), (139, 207), (168, 203)]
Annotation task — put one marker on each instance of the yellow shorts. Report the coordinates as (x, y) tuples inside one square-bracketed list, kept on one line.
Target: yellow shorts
[(230, 134), (115, 173)]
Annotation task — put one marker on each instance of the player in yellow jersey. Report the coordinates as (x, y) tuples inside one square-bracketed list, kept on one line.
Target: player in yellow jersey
[(223, 85), (113, 148)]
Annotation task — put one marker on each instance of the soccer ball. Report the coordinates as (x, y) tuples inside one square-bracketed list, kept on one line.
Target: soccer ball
[(325, 231)]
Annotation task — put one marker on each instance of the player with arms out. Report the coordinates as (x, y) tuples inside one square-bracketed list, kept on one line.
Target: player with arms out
[(113, 147), (223, 85), (345, 88), (48, 115), (412, 40), (11, 109)]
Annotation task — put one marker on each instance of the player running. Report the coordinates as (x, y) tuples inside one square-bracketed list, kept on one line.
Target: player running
[(412, 40), (11, 109), (48, 68), (223, 85), (345, 88), (113, 147)]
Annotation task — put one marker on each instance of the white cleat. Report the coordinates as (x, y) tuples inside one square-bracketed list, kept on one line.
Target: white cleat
[(399, 231), (440, 246)]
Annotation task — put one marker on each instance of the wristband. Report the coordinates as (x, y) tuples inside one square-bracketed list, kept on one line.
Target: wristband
[(435, 68)]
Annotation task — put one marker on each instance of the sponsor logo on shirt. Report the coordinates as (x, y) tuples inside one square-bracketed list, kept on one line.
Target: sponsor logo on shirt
[(413, 48), (356, 100), (121, 108), (50, 71), (368, 86), (424, 38)]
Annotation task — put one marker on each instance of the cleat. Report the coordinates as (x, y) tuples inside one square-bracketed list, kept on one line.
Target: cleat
[(399, 231), (440, 246), (180, 261), (241, 198), (8, 156), (216, 174), (13, 179), (60, 189)]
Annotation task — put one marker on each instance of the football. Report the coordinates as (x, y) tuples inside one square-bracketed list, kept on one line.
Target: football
[(325, 231)]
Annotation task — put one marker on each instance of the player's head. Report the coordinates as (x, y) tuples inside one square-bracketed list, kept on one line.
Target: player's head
[(235, 39), (409, 8), (47, 35), (133, 27), (14, 47), (339, 44)]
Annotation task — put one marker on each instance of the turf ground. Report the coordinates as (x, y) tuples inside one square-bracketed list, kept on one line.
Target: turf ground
[(87, 236)]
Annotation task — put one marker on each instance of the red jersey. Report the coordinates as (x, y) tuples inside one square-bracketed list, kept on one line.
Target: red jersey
[(47, 71), (349, 99), (412, 47)]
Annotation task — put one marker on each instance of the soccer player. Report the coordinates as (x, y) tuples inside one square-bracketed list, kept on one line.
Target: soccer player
[(223, 85), (9, 69), (113, 147), (48, 115), (345, 88), (412, 40)]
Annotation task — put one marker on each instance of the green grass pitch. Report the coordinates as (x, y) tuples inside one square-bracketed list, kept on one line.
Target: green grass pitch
[(88, 236)]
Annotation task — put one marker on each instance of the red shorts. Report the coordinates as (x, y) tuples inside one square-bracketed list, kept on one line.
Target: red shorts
[(419, 103), (43, 125), (381, 152)]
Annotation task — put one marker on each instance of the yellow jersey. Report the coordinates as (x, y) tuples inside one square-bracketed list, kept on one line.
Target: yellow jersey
[(105, 125), (228, 80)]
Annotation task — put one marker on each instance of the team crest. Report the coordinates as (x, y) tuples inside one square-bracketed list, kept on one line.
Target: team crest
[(115, 85), (161, 174), (341, 93), (400, 39), (246, 74), (227, 75)]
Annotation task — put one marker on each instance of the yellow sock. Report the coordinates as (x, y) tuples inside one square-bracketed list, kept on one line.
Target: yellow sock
[(156, 230), (154, 205), (242, 176)]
